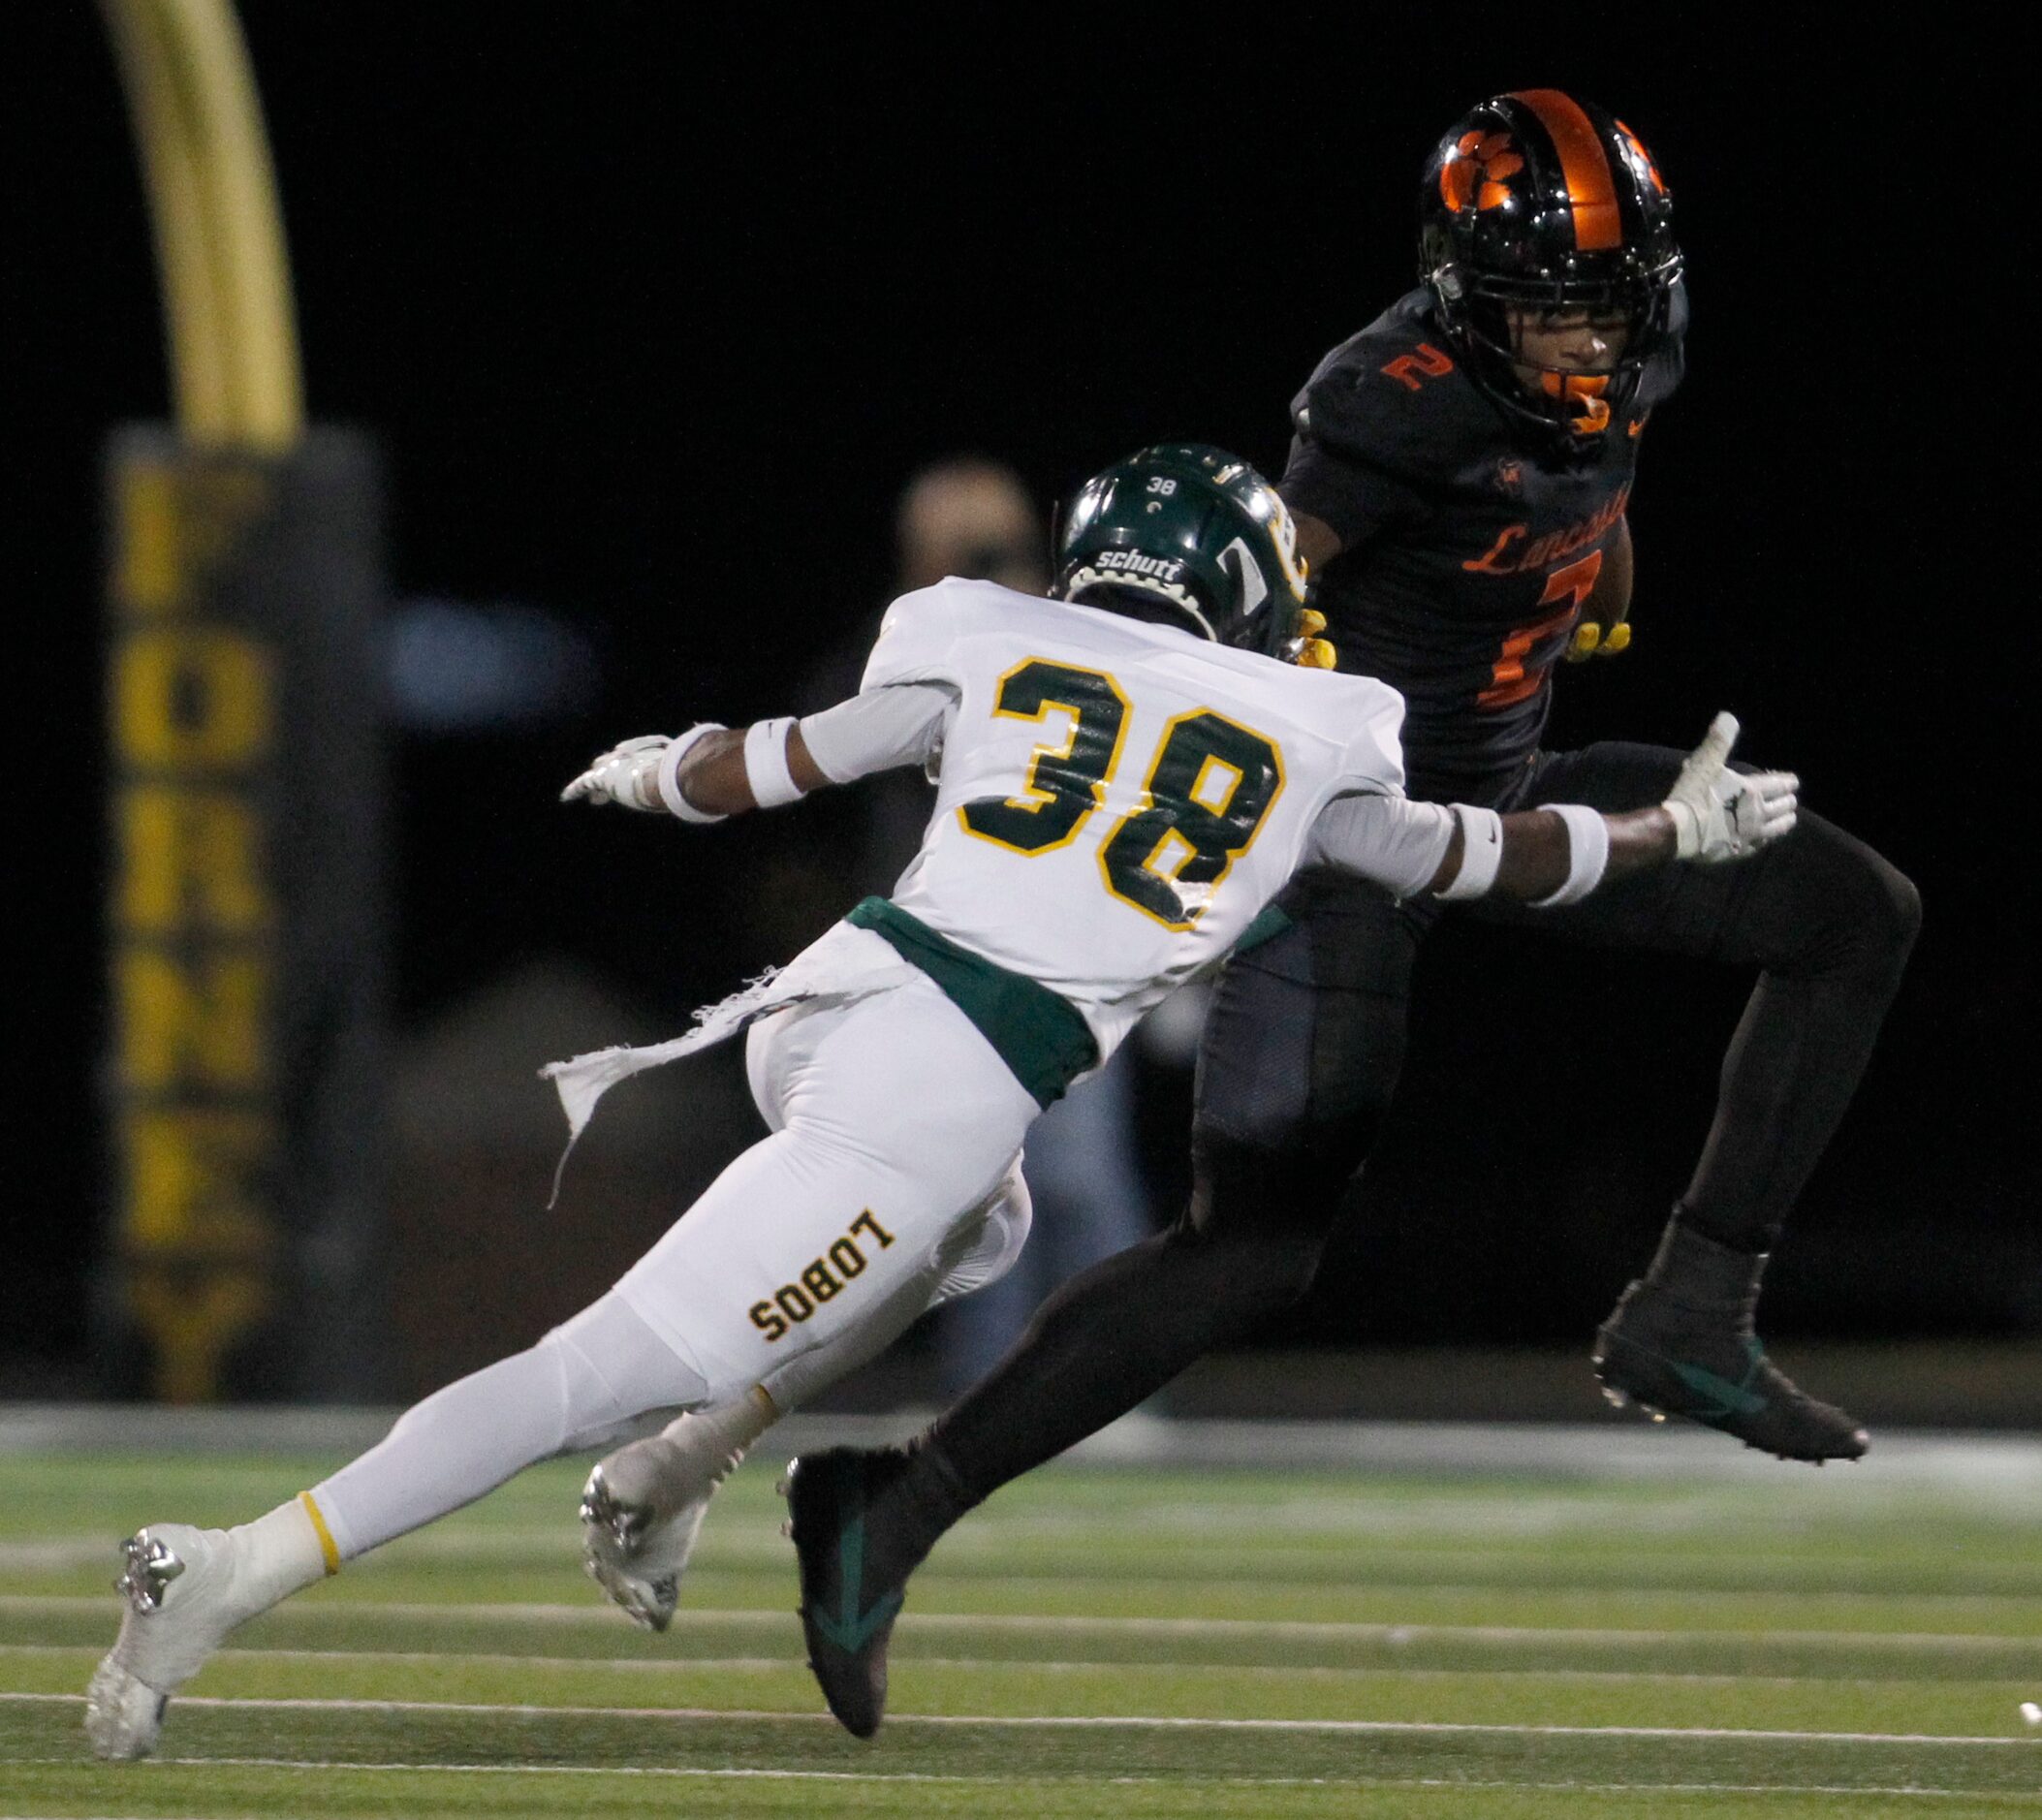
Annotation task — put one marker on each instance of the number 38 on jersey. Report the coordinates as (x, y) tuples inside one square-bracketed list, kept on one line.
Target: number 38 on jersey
[(1209, 785)]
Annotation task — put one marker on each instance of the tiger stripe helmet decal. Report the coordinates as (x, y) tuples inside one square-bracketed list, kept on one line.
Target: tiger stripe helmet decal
[(1540, 202)]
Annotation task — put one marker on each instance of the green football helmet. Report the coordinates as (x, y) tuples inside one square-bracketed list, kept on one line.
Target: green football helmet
[(1188, 534)]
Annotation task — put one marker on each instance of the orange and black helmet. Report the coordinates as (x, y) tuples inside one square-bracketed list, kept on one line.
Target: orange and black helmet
[(1539, 200)]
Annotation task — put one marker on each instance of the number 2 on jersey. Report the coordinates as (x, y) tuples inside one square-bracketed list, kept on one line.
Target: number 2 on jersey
[(1530, 650), (1210, 787)]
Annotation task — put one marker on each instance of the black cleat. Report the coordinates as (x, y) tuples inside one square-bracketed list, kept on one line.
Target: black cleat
[(1676, 1359), (836, 1501)]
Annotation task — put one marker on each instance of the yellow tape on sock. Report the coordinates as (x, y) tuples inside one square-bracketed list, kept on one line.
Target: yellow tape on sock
[(328, 1548)]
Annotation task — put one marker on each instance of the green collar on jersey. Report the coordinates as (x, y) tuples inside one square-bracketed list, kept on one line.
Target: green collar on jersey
[(1037, 1033)]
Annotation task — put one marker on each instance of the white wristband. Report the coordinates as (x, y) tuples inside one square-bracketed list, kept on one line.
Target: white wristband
[(1588, 852), (765, 762), (1481, 851), (668, 775)]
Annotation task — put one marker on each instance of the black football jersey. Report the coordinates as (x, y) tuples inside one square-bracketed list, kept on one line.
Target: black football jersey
[(1468, 551)]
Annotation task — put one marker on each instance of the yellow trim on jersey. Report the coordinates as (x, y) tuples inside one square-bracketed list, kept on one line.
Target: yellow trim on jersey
[(1146, 803), (1036, 799), (329, 1549)]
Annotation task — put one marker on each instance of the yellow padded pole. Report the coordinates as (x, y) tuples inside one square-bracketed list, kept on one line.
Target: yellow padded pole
[(219, 233)]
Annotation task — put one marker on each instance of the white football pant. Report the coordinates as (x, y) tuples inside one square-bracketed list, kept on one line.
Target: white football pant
[(891, 1182)]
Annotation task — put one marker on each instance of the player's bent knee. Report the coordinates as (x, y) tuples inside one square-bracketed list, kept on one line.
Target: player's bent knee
[(1243, 1282), (1258, 1218), (984, 1245), (1859, 913), (1899, 913)]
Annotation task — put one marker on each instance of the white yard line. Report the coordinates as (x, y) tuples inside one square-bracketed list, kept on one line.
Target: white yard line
[(46, 1558), (1030, 1665), (555, 1544), (1996, 1469), (733, 1772), (1168, 1587), (740, 1664), (1053, 1722), (1300, 1630)]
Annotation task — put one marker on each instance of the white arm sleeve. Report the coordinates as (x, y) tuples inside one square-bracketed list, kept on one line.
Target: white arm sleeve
[(1393, 840), (902, 724)]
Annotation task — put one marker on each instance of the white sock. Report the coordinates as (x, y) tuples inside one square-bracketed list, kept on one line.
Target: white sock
[(709, 1443), (284, 1551)]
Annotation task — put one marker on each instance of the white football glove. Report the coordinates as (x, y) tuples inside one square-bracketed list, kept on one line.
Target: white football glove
[(627, 773), (1720, 814)]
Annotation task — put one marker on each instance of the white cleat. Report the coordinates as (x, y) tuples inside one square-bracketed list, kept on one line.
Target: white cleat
[(635, 1543), (182, 1596)]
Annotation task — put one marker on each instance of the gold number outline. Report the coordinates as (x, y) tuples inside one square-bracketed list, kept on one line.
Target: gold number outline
[(1036, 798), (1147, 804)]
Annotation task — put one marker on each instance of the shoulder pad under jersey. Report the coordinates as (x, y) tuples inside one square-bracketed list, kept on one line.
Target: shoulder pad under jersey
[(1376, 749), (1395, 397), (919, 635)]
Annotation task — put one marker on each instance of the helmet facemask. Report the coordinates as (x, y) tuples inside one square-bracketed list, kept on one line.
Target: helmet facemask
[(1539, 203), (1579, 400)]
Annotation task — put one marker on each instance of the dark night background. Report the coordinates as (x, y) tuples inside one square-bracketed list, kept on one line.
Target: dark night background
[(652, 318)]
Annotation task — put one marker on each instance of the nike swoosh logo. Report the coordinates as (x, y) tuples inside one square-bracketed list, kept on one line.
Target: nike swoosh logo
[(1732, 1399), (854, 1629)]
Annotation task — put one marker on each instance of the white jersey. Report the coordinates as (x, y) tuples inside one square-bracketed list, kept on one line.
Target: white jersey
[(1116, 803), (1117, 800)]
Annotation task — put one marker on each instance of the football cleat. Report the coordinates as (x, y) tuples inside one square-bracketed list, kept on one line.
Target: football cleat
[(183, 1596), (1674, 1360), (634, 1546), (837, 1504), (149, 1569)]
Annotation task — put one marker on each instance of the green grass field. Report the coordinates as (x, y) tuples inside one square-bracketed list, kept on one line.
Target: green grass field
[(1097, 1641)]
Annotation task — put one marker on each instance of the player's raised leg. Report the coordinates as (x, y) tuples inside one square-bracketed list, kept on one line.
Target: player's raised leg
[(1829, 924)]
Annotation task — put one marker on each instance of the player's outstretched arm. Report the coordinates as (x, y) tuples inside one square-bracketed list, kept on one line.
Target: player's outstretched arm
[(725, 772), (1558, 855), (705, 775), (1550, 856), (710, 772)]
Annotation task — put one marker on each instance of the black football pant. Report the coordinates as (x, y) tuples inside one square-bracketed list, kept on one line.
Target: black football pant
[(1301, 1053)]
